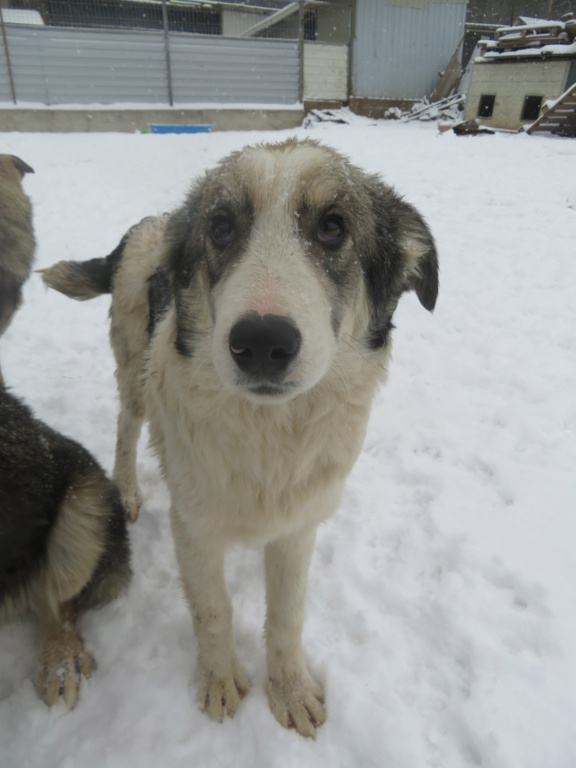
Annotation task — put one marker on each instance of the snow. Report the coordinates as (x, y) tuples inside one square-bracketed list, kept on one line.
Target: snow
[(441, 615), (531, 25), (559, 49)]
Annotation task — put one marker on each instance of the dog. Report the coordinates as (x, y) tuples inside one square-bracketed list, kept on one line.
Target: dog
[(260, 313), (17, 242), (63, 542)]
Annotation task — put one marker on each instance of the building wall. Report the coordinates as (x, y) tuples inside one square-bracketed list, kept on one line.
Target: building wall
[(333, 22), (400, 46), (511, 82), (52, 65), (325, 72), (236, 22)]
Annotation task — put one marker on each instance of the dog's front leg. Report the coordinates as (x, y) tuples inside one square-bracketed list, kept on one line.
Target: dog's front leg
[(295, 698), (222, 683)]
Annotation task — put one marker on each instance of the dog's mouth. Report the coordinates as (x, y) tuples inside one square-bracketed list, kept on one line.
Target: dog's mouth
[(269, 391)]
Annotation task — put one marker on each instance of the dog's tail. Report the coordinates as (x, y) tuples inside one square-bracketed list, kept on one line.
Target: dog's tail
[(84, 280)]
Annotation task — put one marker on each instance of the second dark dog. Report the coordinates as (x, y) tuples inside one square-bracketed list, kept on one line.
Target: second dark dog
[(63, 541)]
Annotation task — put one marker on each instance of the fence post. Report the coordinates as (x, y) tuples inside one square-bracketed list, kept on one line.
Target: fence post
[(301, 50), (167, 52), (8, 64)]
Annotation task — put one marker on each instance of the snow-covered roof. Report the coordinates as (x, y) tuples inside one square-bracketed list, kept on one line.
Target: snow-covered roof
[(533, 38), (533, 52)]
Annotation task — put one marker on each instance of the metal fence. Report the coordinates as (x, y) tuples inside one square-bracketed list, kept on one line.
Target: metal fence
[(161, 51), (261, 18)]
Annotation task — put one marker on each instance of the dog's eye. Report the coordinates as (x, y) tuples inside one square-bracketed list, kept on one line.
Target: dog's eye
[(330, 231), (223, 231)]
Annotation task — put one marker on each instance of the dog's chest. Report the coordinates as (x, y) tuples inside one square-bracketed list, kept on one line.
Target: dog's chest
[(252, 474)]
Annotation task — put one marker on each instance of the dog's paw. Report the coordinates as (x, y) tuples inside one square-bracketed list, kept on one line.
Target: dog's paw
[(220, 695), (132, 501), (62, 666), (297, 702)]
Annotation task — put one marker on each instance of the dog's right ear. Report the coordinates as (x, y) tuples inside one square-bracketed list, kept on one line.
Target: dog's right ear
[(21, 166)]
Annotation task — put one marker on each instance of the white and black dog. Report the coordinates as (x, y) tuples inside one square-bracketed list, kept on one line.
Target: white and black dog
[(261, 313)]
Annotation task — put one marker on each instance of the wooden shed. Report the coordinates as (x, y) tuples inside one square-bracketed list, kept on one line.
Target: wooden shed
[(520, 71)]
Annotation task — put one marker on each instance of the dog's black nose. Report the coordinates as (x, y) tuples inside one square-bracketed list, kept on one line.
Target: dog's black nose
[(265, 345)]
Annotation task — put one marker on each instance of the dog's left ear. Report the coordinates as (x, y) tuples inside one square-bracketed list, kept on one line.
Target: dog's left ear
[(21, 166), (420, 259), (405, 246)]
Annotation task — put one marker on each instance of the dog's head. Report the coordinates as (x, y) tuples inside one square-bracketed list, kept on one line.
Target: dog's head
[(280, 254)]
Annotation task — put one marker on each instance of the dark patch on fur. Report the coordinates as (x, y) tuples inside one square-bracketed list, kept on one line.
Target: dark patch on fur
[(219, 260), (37, 468), (185, 260), (10, 300), (378, 338), (160, 295), (332, 262), (384, 262)]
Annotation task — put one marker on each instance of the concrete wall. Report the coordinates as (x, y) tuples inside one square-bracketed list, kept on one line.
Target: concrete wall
[(78, 120), (511, 82)]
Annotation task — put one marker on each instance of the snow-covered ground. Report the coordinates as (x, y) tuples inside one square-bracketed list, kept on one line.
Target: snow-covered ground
[(441, 611)]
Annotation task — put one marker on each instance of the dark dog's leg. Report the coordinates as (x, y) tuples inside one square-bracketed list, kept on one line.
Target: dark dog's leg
[(63, 659), (87, 565)]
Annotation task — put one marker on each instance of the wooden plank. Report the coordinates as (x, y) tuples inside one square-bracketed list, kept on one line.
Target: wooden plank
[(547, 118)]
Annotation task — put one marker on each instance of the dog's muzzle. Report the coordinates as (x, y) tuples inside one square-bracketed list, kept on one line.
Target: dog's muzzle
[(263, 347)]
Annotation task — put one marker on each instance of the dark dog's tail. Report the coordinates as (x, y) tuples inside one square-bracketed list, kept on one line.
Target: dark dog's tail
[(84, 280)]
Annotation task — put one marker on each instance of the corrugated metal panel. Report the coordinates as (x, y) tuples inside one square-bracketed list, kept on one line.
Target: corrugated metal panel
[(4, 81), (65, 66), (399, 48), (72, 66), (228, 70)]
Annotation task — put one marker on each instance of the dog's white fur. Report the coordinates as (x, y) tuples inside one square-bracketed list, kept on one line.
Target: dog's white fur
[(240, 466), (260, 474)]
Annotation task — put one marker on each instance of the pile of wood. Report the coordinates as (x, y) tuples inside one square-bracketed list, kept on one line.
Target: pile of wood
[(532, 34), (558, 116)]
